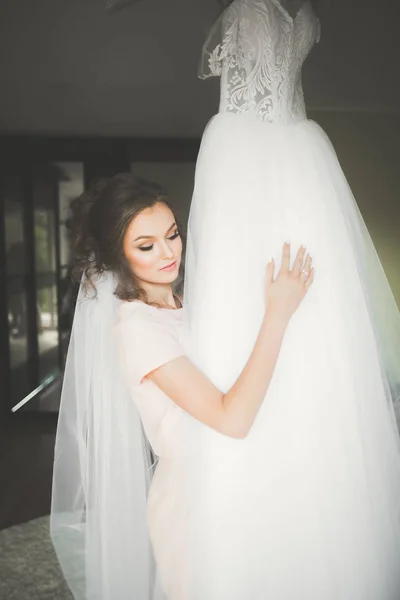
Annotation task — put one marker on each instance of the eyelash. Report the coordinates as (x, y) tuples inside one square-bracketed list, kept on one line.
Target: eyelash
[(148, 248)]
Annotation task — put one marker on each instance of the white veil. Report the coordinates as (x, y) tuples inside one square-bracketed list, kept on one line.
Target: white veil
[(102, 465)]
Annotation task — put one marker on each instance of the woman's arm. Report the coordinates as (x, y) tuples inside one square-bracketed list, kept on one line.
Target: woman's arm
[(233, 413)]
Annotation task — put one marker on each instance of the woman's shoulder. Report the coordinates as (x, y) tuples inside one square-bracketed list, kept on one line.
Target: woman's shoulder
[(135, 309), (144, 325), (136, 320), (137, 312)]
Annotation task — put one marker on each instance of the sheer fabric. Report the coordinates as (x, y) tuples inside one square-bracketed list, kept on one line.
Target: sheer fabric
[(102, 465)]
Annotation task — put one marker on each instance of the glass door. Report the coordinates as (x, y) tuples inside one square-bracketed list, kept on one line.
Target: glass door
[(46, 275), (36, 311), (31, 259), (14, 208)]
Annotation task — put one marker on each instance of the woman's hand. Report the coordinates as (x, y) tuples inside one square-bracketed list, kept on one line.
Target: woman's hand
[(287, 291)]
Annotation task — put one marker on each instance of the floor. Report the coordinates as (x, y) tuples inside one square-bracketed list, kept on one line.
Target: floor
[(28, 564)]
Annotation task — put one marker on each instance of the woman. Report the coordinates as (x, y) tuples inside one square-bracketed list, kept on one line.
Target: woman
[(127, 358)]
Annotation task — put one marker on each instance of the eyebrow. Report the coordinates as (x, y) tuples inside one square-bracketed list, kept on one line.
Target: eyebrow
[(150, 237)]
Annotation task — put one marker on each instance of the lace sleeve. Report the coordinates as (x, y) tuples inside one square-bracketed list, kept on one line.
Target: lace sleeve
[(220, 43)]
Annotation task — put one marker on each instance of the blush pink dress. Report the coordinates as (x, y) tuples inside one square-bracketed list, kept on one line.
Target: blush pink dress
[(147, 338)]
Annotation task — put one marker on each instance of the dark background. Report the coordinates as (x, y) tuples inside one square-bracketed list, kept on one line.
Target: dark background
[(67, 66)]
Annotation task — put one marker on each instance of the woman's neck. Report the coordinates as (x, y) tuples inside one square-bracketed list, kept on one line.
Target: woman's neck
[(162, 296)]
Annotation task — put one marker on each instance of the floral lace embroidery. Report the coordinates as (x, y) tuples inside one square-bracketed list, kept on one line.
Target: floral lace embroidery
[(260, 58)]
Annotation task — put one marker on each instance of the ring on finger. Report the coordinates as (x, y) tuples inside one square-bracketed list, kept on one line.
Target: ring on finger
[(306, 273)]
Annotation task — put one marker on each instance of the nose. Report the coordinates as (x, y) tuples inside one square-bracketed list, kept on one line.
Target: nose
[(167, 250)]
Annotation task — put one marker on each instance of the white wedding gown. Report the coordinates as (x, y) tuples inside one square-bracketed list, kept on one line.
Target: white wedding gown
[(307, 507)]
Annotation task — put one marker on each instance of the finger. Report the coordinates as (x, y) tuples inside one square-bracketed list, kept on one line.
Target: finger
[(308, 262), (285, 265), (304, 276), (307, 265), (310, 279), (298, 263), (270, 271)]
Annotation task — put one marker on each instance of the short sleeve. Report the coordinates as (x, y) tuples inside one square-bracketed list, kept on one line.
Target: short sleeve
[(144, 343), (220, 45)]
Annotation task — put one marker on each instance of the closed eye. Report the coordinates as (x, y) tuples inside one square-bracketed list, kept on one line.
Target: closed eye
[(148, 248)]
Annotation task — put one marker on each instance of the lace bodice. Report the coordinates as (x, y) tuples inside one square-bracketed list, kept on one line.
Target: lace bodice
[(258, 49)]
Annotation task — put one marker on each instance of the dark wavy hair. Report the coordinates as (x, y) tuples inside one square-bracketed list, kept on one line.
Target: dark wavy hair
[(99, 221)]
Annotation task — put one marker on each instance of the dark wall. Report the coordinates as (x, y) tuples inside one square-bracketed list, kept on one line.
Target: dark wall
[(66, 66)]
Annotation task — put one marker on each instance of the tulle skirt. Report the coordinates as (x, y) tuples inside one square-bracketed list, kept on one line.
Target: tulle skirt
[(308, 505)]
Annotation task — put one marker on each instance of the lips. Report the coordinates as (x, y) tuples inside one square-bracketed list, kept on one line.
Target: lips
[(169, 267)]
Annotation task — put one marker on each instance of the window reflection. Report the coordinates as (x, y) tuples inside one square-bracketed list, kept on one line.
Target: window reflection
[(44, 207), (16, 286), (47, 331), (45, 257), (70, 187)]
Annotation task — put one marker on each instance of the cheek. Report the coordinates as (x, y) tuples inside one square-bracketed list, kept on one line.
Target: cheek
[(141, 262)]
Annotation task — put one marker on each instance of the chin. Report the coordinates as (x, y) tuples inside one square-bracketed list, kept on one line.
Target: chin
[(169, 277)]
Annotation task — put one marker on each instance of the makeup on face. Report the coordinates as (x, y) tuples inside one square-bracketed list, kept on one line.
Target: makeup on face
[(148, 248), (170, 267), (153, 246)]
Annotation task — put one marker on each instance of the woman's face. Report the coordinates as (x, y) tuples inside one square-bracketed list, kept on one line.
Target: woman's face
[(153, 246)]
